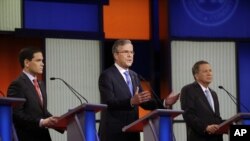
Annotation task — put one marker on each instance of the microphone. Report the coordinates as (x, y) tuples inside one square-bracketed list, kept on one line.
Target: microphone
[(234, 99), (158, 100), (77, 94)]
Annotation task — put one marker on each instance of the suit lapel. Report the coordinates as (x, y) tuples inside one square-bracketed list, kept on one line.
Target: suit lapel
[(216, 104), (31, 88), (120, 80), (203, 98), (43, 92)]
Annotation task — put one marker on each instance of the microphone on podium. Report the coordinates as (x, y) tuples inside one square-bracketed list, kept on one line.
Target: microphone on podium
[(77, 94), (158, 100), (234, 99)]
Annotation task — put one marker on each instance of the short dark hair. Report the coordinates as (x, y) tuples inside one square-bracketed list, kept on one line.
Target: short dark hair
[(196, 66), (118, 43), (27, 53)]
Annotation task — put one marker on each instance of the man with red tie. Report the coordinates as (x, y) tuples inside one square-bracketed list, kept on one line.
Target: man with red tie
[(31, 119)]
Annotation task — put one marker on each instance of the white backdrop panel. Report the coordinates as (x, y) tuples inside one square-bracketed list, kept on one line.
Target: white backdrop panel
[(221, 56), (10, 15), (78, 63)]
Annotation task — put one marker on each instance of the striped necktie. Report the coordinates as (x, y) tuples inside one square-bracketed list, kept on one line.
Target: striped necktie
[(209, 98), (38, 91), (129, 83)]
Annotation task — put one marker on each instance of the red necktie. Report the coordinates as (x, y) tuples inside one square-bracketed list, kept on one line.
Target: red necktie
[(38, 91)]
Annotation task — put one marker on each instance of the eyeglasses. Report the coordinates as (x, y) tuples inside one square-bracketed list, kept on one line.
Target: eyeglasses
[(126, 52)]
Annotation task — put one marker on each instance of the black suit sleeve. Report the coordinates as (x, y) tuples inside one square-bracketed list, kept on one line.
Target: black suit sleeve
[(188, 104)]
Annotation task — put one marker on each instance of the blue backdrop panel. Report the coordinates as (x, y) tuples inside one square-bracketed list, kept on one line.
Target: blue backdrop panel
[(210, 18), (61, 16), (244, 74)]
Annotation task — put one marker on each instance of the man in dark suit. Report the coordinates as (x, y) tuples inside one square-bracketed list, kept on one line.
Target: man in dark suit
[(121, 90), (31, 119), (201, 105)]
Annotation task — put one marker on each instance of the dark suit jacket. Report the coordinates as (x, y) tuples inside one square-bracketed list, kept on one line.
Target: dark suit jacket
[(26, 117), (115, 93), (198, 113)]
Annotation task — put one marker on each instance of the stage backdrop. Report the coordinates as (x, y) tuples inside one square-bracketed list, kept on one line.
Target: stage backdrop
[(244, 75), (221, 56), (210, 18), (65, 16), (78, 63)]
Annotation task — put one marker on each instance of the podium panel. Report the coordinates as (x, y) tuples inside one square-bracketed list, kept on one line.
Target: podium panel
[(225, 126), (80, 122), (6, 126), (157, 125), (5, 123)]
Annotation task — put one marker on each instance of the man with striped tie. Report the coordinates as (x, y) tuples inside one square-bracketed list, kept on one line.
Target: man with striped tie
[(31, 119), (121, 90), (201, 106)]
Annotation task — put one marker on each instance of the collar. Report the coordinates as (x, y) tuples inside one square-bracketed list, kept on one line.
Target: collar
[(31, 77), (120, 69), (203, 88)]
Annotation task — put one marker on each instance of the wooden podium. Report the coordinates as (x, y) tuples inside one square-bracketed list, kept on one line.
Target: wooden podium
[(224, 127), (80, 122), (7, 132), (157, 125)]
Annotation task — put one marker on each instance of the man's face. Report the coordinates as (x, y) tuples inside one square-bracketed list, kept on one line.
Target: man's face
[(35, 65), (124, 56), (204, 75)]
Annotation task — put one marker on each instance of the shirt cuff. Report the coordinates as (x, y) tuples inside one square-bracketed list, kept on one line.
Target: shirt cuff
[(166, 106), (41, 123)]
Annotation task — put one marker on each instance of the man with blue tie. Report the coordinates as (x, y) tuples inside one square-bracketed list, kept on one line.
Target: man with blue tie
[(121, 90), (201, 106)]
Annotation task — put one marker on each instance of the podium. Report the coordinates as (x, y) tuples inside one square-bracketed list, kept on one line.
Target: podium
[(80, 122), (224, 127), (157, 125), (6, 126)]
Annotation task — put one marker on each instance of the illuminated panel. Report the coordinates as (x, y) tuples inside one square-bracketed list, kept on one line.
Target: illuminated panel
[(244, 76), (10, 17), (209, 19), (127, 19), (61, 16)]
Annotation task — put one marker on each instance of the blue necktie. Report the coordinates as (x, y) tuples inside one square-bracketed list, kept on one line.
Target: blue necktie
[(209, 98), (129, 83)]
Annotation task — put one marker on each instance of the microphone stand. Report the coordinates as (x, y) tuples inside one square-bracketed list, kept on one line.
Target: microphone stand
[(233, 98), (77, 94), (158, 100), (74, 91)]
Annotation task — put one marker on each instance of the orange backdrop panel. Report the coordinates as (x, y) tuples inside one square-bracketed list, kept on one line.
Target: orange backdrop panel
[(128, 19), (146, 87), (9, 50)]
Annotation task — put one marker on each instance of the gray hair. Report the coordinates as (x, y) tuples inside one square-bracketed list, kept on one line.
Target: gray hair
[(118, 43)]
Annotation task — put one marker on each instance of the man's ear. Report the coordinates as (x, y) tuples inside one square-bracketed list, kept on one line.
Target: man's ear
[(195, 76), (115, 55), (26, 63)]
